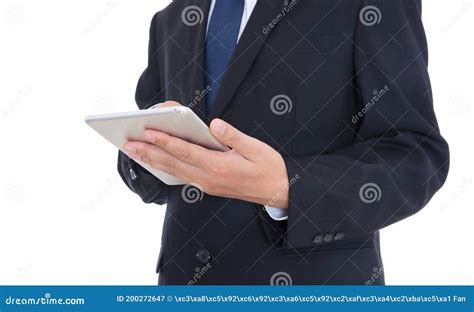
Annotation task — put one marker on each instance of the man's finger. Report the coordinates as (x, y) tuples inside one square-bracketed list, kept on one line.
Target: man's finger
[(166, 104), (245, 145), (162, 160), (182, 150), (169, 104)]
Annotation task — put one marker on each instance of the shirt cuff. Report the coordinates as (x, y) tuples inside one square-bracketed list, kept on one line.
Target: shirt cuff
[(277, 214)]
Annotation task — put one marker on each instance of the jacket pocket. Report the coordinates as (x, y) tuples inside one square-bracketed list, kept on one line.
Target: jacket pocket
[(323, 249)]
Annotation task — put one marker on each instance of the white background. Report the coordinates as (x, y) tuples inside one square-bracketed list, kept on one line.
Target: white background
[(67, 218)]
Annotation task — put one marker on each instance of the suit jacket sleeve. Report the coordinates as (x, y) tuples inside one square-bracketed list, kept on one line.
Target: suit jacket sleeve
[(148, 93), (398, 159)]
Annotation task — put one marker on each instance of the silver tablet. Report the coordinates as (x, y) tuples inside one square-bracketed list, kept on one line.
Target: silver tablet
[(178, 121)]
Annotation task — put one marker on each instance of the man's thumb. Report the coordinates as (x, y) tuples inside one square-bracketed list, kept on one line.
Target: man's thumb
[(230, 136)]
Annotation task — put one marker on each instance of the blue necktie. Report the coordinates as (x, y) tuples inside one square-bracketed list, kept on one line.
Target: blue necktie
[(221, 41)]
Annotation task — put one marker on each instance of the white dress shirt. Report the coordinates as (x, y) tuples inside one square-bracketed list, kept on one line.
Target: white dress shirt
[(277, 214)]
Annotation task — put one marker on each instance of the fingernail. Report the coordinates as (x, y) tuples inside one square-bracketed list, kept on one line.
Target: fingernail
[(218, 127), (130, 149)]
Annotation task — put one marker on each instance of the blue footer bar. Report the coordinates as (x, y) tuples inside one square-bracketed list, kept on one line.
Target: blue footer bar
[(238, 298)]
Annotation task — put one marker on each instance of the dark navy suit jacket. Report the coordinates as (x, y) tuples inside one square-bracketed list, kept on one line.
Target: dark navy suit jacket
[(341, 89)]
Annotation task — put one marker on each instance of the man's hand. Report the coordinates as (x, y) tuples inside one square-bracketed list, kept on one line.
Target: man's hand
[(251, 171)]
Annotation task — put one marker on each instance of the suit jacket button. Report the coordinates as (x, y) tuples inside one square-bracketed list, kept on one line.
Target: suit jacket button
[(328, 237), (203, 256), (318, 239), (339, 236)]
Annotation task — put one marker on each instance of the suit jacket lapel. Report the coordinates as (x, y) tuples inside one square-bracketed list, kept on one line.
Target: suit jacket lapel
[(195, 41), (250, 43)]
